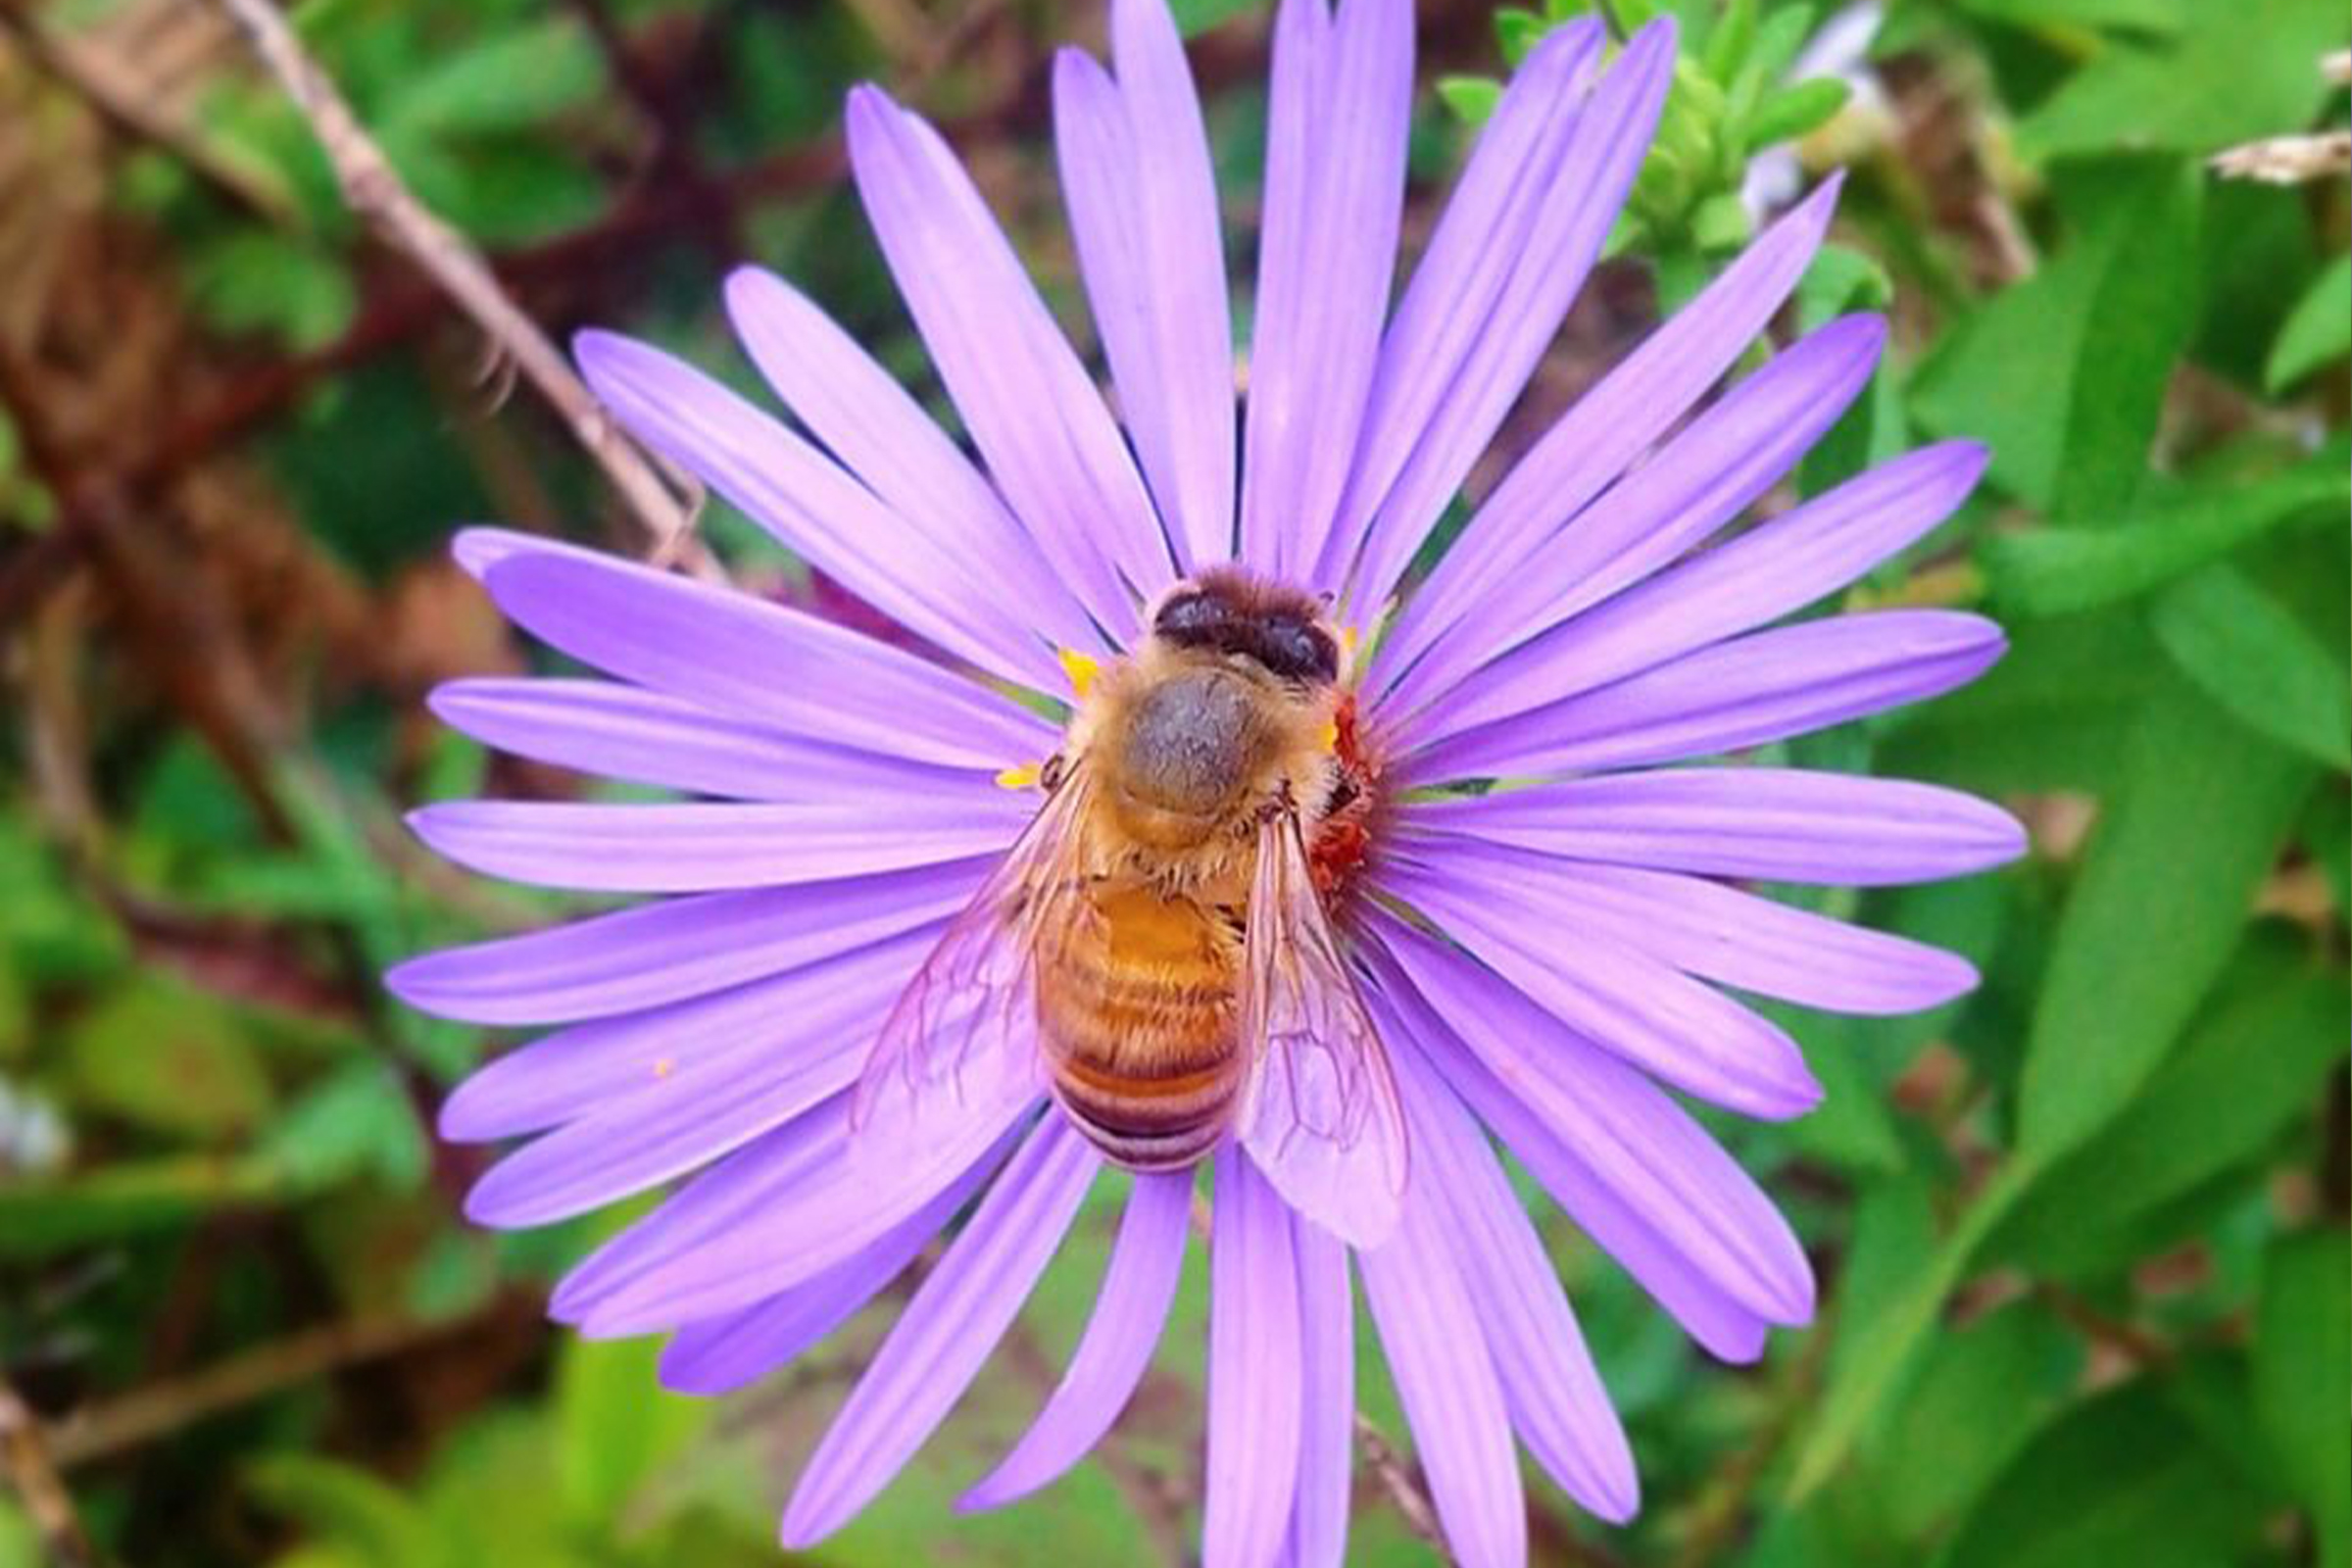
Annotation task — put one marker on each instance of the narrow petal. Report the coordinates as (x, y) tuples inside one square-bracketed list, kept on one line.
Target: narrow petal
[(577, 1071), (1770, 823), (757, 661), (719, 1355), (1130, 1310), (1708, 930), (874, 427), (1766, 686), (1051, 446), (1254, 1420), (1611, 1202), (1710, 471), (811, 506), (1437, 405), (756, 1223), (1326, 1440), (702, 846), (1555, 1396), (624, 732), (1593, 442), (1771, 571), (1620, 997), (1437, 1353), (778, 1068), (1625, 1134), (961, 1310), (1143, 204), (663, 953), (1336, 122)]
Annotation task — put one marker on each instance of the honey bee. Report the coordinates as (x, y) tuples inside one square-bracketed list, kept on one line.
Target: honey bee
[(1165, 917)]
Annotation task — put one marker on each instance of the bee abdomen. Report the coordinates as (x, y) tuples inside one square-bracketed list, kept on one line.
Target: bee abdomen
[(1144, 1063)]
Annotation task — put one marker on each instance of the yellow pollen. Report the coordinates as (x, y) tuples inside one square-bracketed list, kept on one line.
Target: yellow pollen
[(1329, 736), (1022, 777), (663, 1066), (1082, 669)]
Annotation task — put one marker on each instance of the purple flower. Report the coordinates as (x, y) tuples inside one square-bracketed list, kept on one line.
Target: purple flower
[(1534, 960)]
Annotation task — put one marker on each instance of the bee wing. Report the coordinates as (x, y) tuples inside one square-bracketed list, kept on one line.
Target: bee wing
[(962, 1034), (1321, 1116)]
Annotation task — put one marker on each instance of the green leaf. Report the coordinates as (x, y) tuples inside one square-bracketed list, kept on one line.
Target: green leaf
[(2149, 16), (166, 1056), (1472, 98), (2302, 1365), (2053, 570), (2249, 654), (2064, 374), (2154, 914), (2199, 812), (367, 1517), (2249, 1066), (128, 1197), (2120, 1479), (2234, 73), (1981, 1393), (260, 280), (2318, 331), (508, 82), (357, 1121), (1195, 17), (614, 1425), (1794, 112)]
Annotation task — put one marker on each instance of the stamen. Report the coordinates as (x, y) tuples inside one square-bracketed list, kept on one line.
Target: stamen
[(1082, 669)]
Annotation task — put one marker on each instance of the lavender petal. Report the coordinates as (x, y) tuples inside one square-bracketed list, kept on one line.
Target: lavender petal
[(1318, 1536), (1766, 686), (1337, 123), (1449, 400), (1770, 823), (1593, 442), (577, 1071), (946, 1333), (716, 1355), (1051, 447), (1254, 1420), (624, 732), (874, 427), (667, 951), (1555, 1393), (1132, 1306), (1437, 1354), (1620, 997), (811, 506), (761, 661), (702, 846)]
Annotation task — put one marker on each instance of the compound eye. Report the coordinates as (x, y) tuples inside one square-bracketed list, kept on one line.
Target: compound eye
[(1188, 616), (1299, 652)]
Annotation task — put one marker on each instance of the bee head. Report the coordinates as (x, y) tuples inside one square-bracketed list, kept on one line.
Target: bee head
[(1281, 631)]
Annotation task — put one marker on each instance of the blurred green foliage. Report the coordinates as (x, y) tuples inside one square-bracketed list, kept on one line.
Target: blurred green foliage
[(2082, 1234)]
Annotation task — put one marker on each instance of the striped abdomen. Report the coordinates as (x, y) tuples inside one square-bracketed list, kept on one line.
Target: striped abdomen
[(1137, 1016)]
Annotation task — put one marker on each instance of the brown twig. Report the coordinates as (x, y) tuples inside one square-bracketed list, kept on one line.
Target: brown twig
[(129, 106), (664, 505), (1396, 1479), (31, 1469), (145, 1414)]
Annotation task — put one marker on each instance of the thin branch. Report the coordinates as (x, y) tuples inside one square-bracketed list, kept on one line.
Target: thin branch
[(145, 1414), (664, 505), (2287, 160), (129, 106), (30, 1470), (1404, 1488)]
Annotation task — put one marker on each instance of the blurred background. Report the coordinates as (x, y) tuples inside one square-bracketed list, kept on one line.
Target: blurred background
[(2082, 1237)]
